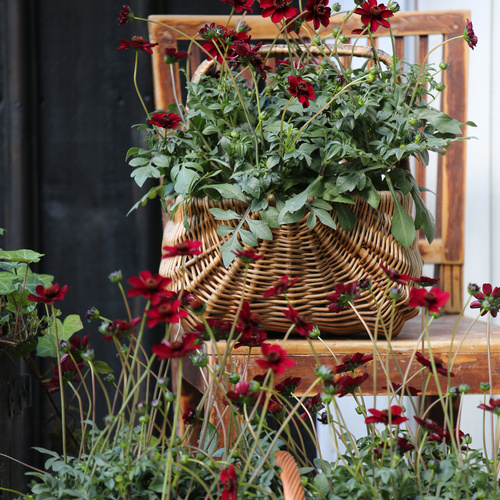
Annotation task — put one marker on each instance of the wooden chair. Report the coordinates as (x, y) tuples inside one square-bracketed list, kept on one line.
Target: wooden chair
[(412, 31)]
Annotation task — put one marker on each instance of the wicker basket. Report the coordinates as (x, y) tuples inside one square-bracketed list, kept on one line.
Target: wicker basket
[(320, 257)]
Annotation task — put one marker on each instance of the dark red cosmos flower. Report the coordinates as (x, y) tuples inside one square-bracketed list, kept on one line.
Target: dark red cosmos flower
[(494, 406), (190, 416), (352, 361), (241, 395), (248, 256), (344, 295), (318, 12), (167, 311), (222, 42), (275, 359), (294, 23), (429, 424), (249, 327), (488, 300), (277, 9), (241, 5), (69, 372), (148, 286), (247, 55), (403, 445), (469, 35), (230, 482), (126, 15), (173, 56), (432, 300), (395, 276), (177, 348), (312, 405), (426, 281), (77, 347), (168, 121), (301, 89), (440, 368), (301, 325), (185, 248), (373, 15), (121, 329), (137, 43), (387, 417), (281, 286), (288, 386), (48, 295), (347, 384), (409, 391), (220, 329)]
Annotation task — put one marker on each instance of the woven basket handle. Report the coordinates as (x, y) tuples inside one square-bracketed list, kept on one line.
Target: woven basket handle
[(282, 50), (290, 476)]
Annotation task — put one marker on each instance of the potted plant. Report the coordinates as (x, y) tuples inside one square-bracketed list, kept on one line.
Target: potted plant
[(312, 149)]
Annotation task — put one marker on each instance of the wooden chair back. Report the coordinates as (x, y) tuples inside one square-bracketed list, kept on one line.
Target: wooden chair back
[(412, 31)]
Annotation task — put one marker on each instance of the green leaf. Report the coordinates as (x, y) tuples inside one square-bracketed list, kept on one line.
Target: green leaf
[(403, 227), (8, 283), (423, 217), (442, 122), (248, 238), (260, 229), (27, 256), (224, 230), (324, 217), (347, 218), (230, 191), (286, 217), (228, 248), (102, 367), (160, 161), (318, 203), (220, 214), (270, 217), (142, 174), (311, 220), (320, 482), (185, 179), (47, 345)]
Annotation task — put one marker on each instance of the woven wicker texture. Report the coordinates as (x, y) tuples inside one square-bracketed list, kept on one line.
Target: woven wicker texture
[(290, 476), (320, 257)]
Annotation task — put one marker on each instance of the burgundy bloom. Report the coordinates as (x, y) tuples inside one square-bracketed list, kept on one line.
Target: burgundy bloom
[(166, 311), (440, 368), (426, 281), (126, 15), (301, 89), (352, 361), (241, 395), (185, 248), (430, 425), (323, 418), (275, 359), (488, 300), (173, 56), (294, 24), (148, 286), (176, 349), (121, 329), (222, 42), (230, 482), (409, 391), (318, 12), (249, 327), (403, 445), (137, 43), (168, 121), (281, 286), (245, 54), (374, 15), (432, 300), (77, 347), (469, 35), (48, 295), (387, 417), (248, 256), (494, 406), (312, 405), (277, 9), (69, 372), (347, 384), (301, 325), (220, 329), (241, 5), (190, 416), (344, 295), (395, 276), (288, 386)]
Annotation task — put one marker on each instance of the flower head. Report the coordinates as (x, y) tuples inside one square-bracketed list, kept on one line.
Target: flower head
[(387, 417), (312, 405), (126, 15), (440, 367), (176, 349), (426, 281), (173, 56), (274, 359), (120, 329), (301, 89), (248, 326), (241, 395), (277, 9), (318, 12), (344, 295), (352, 361), (190, 415), (494, 406), (373, 15), (288, 386), (347, 384), (281, 286), (148, 286), (488, 300), (69, 371), (137, 43), (469, 35), (241, 5), (185, 248), (219, 329), (248, 256), (301, 325), (247, 55), (167, 121), (230, 483), (395, 276), (48, 295), (167, 311), (433, 300)]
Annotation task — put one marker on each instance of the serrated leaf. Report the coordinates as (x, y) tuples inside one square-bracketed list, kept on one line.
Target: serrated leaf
[(224, 230), (220, 214), (228, 248), (270, 217), (27, 256), (260, 229), (286, 217), (248, 238), (230, 191)]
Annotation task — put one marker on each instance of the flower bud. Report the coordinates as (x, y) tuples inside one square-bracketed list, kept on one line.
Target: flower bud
[(169, 396), (88, 355), (254, 387), (484, 386), (199, 358), (443, 65), (314, 333), (394, 7), (234, 378), (440, 87), (92, 314), (394, 293), (473, 289), (335, 7), (463, 388), (198, 307), (365, 284), (359, 410), (109, 377), (115, 276)]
